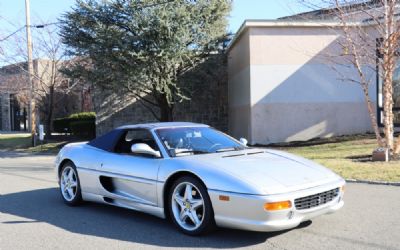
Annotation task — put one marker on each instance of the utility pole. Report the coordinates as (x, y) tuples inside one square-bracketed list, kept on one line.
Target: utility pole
[(32, 108)]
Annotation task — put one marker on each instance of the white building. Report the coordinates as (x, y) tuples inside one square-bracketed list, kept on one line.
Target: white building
[(281, 90)]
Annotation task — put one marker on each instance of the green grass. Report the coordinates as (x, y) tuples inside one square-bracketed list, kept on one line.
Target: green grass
[(14, 141), (350, 158), (51, 148), (22, 143)]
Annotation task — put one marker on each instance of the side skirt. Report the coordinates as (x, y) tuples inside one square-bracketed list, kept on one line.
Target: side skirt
[(153, 210)]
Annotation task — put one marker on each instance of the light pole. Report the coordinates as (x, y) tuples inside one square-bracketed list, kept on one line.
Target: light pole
[(32, 111)]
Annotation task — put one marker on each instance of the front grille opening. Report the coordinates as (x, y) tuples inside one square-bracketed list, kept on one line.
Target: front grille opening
[(316, 200)]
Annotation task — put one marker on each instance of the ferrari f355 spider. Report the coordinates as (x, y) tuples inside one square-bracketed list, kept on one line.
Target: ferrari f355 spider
[(198, 177)]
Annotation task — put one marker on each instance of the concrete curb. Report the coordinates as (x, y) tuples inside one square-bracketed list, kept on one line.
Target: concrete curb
[(374, 182)]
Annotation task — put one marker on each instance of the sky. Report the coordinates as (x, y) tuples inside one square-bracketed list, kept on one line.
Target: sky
[(261, 9), (12, 12)]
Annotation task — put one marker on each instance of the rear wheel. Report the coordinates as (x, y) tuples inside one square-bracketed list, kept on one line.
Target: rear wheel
[(70, 187), (190, 206)]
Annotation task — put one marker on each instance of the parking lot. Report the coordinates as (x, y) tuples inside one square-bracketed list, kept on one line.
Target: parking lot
[(33, 216)]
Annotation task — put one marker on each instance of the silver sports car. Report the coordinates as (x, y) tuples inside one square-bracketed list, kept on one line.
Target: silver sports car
[(198, 177)]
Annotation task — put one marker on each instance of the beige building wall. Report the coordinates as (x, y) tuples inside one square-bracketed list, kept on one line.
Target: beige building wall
[(239, 88), (294, 94)]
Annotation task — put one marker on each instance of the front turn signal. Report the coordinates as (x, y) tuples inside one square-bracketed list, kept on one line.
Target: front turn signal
[(280, 205)]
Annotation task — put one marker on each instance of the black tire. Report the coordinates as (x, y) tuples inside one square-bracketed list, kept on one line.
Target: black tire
[(208, 223), (77, 199)]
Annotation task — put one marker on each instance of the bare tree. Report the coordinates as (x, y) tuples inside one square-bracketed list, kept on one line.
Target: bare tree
[(48, 78), (369, 35)]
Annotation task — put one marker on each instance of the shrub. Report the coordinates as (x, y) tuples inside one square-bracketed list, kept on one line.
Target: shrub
[(83, 116), (61, 125), (79, 124), (83, 128)]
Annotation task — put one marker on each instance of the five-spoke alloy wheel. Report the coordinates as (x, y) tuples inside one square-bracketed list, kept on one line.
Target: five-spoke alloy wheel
[(190, 206), (69, 184)]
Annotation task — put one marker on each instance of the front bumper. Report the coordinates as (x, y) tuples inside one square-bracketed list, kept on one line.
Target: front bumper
[(244, 211)]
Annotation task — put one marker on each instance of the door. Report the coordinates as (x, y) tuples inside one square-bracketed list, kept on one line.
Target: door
[(131, 177)]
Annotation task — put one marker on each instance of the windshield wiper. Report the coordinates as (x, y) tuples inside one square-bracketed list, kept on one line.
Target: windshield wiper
[(228, 149), (192, 151)]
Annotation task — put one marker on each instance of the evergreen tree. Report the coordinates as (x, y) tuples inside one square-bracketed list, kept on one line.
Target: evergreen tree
[(144, 46)]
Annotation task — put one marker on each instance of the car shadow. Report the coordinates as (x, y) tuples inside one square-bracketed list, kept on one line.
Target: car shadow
[(46, 205)]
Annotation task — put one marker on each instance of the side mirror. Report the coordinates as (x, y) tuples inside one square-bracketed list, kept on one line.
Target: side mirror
[(143, 148), (243, 141)]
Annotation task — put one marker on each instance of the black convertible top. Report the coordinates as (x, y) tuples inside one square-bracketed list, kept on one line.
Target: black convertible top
[(108, 141)]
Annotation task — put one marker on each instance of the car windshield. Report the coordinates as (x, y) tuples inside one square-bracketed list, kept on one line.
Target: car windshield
[(196, 140)]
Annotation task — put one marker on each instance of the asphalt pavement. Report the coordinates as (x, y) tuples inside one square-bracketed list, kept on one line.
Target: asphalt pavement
[(33, 216)]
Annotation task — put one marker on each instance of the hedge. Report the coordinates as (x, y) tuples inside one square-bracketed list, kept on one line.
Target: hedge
[(83, 128), (83, 116), (61, 125), (79, 124)]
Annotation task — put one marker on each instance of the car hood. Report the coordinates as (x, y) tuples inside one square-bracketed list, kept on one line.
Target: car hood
[(271, 171)]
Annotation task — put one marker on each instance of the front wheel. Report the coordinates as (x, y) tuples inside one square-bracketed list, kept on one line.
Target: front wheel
[(190, 206), (70, 187)]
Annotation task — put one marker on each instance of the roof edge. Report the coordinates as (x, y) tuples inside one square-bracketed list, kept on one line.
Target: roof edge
[(281, 23)]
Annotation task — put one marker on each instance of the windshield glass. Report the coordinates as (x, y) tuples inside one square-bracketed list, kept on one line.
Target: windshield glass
[(196, 140)]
